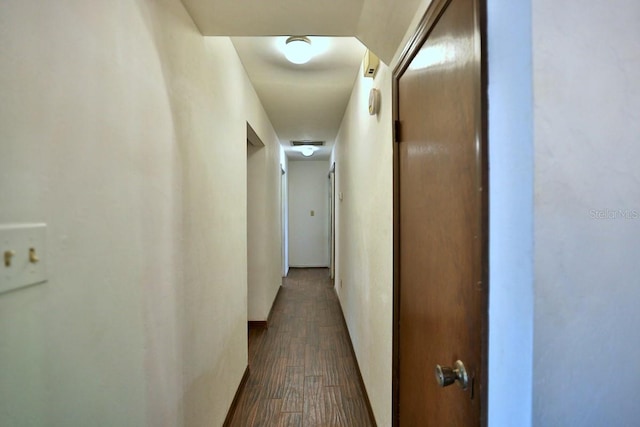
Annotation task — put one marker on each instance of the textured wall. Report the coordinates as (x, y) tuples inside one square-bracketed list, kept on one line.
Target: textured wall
[(586, 63), (87, 146), (264, 223), (123, 129), (364, 247)]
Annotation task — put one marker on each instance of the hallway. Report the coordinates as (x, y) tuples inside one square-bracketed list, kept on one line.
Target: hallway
[(302, 372)]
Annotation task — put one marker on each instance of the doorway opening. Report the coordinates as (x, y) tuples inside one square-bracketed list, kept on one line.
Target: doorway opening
[(254, 144)]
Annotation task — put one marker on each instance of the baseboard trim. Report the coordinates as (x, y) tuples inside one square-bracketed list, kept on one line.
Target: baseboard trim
[(372, 417), (273, 304), (264, 324), (258, 324), (236, 398)]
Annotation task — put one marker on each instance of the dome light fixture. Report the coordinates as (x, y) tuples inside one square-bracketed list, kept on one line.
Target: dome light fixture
[(298, 49), (305, 150)]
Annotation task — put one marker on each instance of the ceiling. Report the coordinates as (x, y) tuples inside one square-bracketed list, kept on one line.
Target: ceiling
[(306, 102)]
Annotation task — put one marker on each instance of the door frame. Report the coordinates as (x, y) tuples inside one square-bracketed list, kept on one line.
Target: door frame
[(332, 220), (430, 18), (284, 220)]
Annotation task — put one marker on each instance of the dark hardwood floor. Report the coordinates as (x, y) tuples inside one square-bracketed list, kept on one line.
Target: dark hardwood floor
[(302, 371)]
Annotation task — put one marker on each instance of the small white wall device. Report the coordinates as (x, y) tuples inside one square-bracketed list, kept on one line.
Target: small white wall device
[(370, 64), (374, 101)]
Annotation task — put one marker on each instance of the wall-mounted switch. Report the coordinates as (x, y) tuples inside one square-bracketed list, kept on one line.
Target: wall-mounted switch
[(313, 213), (23, 246), (8, 256)]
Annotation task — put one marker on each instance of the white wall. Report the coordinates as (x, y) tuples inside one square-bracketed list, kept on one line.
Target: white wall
[(586, 63), (123, 129), (308, 235), (263, 224), (510, 213), (284, 194), (364, 227)]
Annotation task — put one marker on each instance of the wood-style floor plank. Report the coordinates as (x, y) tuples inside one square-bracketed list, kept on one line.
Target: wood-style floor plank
[(268, 412), (302, 372), (294, 390), (330, 368), (334, 407), (290, 419), (314, 413), (296, 353), (312, 363)]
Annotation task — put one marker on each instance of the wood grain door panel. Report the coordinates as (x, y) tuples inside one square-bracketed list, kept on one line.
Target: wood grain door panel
[(441, 295)]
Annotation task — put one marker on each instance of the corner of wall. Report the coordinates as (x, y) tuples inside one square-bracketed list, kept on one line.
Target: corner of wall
[(510, 212)]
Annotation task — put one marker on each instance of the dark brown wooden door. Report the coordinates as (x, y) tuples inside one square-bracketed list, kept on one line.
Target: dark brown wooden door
[(441, 262)]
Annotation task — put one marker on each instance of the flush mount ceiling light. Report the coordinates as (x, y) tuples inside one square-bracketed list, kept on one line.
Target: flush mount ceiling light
[(298, 49), (306, 150)]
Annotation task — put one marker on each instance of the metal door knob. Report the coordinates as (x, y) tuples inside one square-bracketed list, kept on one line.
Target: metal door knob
[(446, 375)]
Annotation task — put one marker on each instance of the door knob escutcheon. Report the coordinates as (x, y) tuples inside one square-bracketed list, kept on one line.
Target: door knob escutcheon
[(446, 375)]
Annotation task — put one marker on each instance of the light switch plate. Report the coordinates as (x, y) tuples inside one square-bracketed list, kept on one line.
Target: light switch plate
[(25, 268)]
